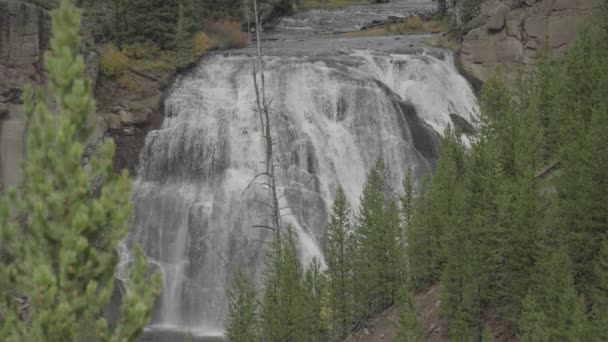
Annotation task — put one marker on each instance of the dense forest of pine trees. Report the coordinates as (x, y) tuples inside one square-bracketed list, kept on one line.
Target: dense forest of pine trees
[(162, 21), (513, 225)]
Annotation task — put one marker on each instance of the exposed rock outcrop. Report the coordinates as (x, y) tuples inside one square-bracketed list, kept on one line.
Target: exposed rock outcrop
[(24, 34), (509, 33), (25, 29)]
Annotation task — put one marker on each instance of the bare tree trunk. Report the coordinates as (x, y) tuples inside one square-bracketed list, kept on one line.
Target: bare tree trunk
[(263, 107)]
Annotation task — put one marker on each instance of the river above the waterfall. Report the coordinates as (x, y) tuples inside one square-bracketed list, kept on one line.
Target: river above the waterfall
[(316, 32), (338, 104)]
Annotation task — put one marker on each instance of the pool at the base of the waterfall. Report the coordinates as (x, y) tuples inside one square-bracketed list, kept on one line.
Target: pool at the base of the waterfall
[(162, 333)]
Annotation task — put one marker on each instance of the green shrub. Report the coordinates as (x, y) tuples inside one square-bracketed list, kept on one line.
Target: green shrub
[(127, 82), (114, 63), (203, 43), (141, 50)]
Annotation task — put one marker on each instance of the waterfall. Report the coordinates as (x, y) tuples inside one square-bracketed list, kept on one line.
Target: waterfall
[(332, 118)]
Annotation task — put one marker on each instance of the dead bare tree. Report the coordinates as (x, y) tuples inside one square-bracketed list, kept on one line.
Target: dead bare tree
[(263, 109)]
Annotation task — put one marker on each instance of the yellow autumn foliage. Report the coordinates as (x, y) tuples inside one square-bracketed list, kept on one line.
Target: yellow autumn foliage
[(203, 43), (113, 63)]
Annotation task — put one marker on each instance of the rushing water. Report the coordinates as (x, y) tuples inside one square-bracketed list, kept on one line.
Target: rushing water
[(337, 106)]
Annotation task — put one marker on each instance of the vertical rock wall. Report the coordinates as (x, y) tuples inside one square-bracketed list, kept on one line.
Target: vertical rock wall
[(24, 34)]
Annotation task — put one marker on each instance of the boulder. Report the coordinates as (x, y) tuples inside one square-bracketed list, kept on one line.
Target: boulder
[(497, 21)]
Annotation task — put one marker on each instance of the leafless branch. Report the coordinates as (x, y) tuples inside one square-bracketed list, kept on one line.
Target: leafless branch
[(252, 181), (262, 226)]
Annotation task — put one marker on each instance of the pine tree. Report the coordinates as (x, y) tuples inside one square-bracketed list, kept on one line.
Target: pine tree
[(582, 185), (184, 31), (409, 329), (441, 238), (444, 208), (422, 244), (487, 335), (552, 310), (241, 322), (407, 213), (599, 294), (484, 181), (507, 217), (534, 321), (377, 234), (497, 119), (547, 87), (460, 295), (584, 192), (151, 21), (283, 310), (64, 249), (407, 199), (219, 9), (339, 267), (314, 288)]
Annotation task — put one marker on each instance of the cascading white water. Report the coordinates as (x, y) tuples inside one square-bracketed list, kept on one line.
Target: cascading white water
[(332, 118)]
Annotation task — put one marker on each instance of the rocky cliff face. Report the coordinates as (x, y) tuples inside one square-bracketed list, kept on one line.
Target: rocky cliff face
[(509, 33), (25, 28), (24, 34)]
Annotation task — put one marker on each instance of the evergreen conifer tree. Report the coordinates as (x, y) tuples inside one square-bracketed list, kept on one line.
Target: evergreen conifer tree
[(151, 21), (443, 206), (241, 323), (312, 300), (184, 31), (552, 310), (422, 244), (409, 329), (283, 310), (487, 335), (407, 213), (447, 201), (64, 250), (460, 286), (599, 294), (340, 267), (582, 152), (484, 181), (377, 234)]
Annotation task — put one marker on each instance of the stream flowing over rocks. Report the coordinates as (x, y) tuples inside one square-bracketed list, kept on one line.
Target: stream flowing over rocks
[(338, 104)]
